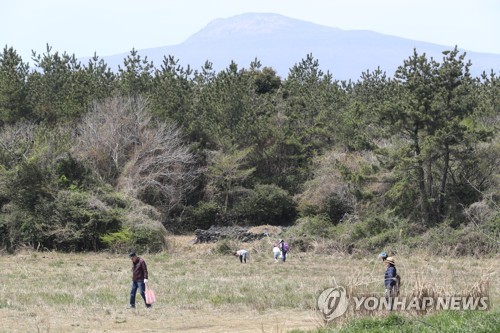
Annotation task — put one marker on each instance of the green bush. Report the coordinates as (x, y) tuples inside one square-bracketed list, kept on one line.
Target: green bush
[(226, 247), (372, 226), (4, 230), (143, 238), (492, 227), (300, 244), (401, 199), (119, 241), (72, 221), (148, 233), (336, 207), (203, 215), (79, 220), (376, 225), (115, 199), (312, 226), (467, 240), (70, 171), (267, 204), (147, 239), (17, 229), (383, 240)]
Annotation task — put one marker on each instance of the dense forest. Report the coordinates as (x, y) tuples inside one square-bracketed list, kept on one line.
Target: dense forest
[(92, 158)]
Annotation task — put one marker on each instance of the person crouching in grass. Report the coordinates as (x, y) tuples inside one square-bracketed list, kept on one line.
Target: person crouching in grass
[(243, 254)]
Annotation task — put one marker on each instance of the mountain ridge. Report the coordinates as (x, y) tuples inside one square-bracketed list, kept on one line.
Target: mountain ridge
[(281, 42)]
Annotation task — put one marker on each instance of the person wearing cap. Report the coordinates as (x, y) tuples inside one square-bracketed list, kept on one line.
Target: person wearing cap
[(243, 254), (383, 255), (390, 279), (139, 279)]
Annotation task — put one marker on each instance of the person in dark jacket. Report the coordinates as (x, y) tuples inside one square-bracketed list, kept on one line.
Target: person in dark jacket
[(390, 280), (284, 249), (139, 279)]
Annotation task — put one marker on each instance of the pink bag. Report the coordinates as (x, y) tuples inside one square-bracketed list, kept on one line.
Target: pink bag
[(150, 295)]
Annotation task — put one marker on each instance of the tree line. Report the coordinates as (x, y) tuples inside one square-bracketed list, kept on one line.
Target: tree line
[(92, 158)]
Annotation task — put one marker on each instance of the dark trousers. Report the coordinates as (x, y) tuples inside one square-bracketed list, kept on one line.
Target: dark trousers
[(142, 291), (389, 296)]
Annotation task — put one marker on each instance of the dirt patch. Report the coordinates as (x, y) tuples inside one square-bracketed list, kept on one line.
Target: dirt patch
[(158, 320)]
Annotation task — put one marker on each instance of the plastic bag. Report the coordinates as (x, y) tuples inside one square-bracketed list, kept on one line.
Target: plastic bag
[(150, 296)]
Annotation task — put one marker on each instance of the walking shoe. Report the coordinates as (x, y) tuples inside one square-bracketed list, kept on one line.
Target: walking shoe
[(131, 307)]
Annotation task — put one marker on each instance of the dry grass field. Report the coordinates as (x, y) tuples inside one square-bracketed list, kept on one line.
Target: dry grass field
[(199, 290)]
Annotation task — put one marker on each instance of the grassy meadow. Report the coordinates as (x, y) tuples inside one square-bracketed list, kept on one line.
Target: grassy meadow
[(199, 289)]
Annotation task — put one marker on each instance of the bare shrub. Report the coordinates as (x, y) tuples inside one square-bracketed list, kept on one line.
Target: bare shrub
[(125, 147), (479, 212), (108, 134), (330, 191), (16, 142), (147, 232), (161, 170)]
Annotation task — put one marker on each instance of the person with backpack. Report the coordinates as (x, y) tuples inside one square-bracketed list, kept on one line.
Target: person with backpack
[(283, 246), (391, 281), (139, 279)]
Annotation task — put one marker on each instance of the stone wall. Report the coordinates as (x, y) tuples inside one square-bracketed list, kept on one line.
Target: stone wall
[(214, 234)]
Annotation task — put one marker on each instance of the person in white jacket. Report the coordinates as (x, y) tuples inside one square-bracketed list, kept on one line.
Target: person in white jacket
[(276, 252), (243, 254)]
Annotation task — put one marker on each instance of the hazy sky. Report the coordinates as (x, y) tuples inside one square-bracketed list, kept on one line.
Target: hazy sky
[(109, 27)]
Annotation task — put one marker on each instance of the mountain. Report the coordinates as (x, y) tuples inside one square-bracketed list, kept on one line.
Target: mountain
[(281, 42)]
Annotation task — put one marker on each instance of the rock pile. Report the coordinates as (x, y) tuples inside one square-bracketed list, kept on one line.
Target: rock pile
[(214, 234)]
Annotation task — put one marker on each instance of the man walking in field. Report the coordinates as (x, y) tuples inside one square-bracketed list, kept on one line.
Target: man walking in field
[(139, 279)]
